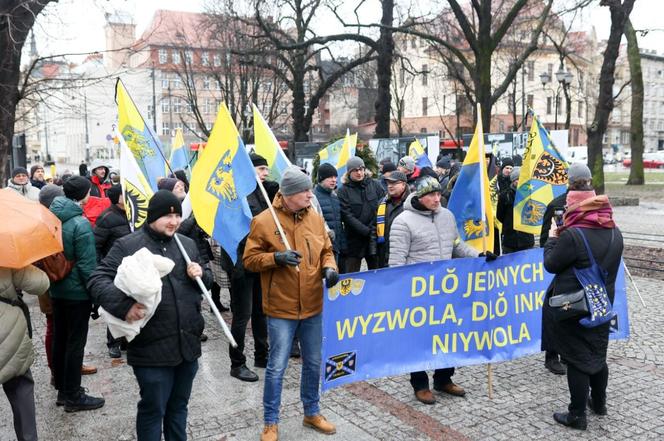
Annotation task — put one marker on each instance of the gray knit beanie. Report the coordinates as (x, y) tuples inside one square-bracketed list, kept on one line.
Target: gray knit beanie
[(354, 162), (48, 193), (294, 181), (578, 172), (514, 175)]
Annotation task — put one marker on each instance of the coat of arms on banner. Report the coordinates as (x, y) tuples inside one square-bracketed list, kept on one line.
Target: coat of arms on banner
[(338, 366), (345, 287)]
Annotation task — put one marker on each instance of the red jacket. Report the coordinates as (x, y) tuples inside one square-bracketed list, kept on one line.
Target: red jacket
[(98, 189)]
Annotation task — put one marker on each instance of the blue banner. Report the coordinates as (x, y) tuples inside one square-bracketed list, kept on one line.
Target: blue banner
[(439, 314)]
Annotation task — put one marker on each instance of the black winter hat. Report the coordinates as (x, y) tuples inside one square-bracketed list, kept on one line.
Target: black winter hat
[(114, 193), (167, 184), (161, 204), (389, 167), (76, 188), (505, 162), (18, 171), (326, 171), (258, 160), (445, 163), (34, 168)]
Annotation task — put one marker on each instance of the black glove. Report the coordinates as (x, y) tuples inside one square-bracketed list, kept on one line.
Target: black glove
[(490, 257), (94, 313), (331, 277), (289, 257)]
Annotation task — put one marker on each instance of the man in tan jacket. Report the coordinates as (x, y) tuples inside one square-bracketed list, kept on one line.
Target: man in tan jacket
[(292, 284)]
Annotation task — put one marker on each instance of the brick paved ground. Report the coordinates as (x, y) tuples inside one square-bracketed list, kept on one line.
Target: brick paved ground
[(525, 396)]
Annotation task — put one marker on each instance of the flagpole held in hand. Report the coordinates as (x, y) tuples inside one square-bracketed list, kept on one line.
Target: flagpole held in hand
[(207, 295), (274, 216)]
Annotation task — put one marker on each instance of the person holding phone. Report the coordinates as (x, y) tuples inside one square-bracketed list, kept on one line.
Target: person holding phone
[(579, 177)]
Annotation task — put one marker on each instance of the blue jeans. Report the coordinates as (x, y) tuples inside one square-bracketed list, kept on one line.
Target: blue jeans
[(281, 333), (165, 395)]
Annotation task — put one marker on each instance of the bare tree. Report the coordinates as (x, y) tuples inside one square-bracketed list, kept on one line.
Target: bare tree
[(620, 11), (636, 175), (17, 18), (468, 48)]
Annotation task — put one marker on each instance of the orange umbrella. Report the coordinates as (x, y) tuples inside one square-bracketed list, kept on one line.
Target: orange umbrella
[(29, 231)]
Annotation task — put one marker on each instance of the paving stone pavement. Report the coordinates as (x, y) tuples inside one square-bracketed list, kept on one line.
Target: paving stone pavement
[(525, 396)]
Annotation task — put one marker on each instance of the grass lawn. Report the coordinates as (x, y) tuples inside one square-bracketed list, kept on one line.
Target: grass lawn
[(652, 177)]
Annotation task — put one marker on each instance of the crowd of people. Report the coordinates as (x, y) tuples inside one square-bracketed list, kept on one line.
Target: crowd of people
[(276, 283)]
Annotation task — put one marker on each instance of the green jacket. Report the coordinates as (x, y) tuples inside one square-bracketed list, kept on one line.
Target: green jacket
[(79, 244)]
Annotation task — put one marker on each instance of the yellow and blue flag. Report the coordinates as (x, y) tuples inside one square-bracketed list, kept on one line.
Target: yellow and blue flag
[(222, 179), (417, 152), (470, 201), (136, 190), (339, 152), (543, 177), (139, 137), (266, 145), (179, 159)]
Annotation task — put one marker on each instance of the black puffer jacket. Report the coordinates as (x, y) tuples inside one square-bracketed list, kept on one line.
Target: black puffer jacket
[(173, 333), (112, 224), (584, 348), (359, 201), (516, 240), (329, 204)]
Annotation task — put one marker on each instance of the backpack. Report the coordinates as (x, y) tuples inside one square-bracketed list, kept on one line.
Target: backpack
[(56, 266)]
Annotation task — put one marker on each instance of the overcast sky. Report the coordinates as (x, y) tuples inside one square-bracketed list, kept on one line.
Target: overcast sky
[(66, 29)]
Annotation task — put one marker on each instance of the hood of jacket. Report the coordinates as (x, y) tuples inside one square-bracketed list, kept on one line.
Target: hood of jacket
[(408, 205), (65, 209), (97, 164), (21, 188)]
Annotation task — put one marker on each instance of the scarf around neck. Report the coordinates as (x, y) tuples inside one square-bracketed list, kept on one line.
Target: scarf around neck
[(587, 210)]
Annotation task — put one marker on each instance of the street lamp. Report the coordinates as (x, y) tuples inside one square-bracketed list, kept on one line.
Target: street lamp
[(564, 80)]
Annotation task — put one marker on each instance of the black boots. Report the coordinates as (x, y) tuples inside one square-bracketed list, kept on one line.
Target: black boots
[(83, 402), (243, 373), (598, 409), (569, 420), (553, 364)]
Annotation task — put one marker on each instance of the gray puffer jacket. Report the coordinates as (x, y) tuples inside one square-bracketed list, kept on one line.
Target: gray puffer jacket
[(16, 352), (26, 190), (424, 236)]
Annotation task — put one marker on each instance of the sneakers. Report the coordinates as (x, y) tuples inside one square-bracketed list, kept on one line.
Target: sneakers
[(88, 370), (425, 396), (60, 400), (569, 420), (83, 402), (114, 351), (319, 424), (243, 373), (452, 389), (270, 433)]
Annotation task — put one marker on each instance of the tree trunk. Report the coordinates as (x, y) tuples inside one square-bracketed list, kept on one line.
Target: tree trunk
[(21, 19), (300, 131), (636, 175), (384, 71), (619, 15)]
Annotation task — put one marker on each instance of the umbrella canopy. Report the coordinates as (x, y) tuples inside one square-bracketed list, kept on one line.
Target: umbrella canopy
[(29, 231)]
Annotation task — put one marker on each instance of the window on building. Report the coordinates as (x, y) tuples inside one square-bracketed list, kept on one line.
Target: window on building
[(423, 130), (413, 42), (176, 57), (549, 102), (531, 70), (581, 81), (206, 82), (228, 58), (165, 105), (510, 104), (208, 106), (559, 106), (189, 56), (205, 59), (425, 106), (150, 111), (425, 74), (575, 136), (176, 83), (177, 105), (163, 56), (580, 109), (529, 100), (216, 59), (177, 125), (549, 69), (165, 129), (164, 82)]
